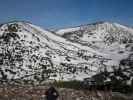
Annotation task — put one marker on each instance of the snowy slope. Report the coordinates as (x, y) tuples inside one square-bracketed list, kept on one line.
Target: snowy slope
[(114, 40)]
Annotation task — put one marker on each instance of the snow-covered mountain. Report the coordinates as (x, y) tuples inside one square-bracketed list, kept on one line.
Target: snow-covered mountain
[(111, 39), (28, 52)]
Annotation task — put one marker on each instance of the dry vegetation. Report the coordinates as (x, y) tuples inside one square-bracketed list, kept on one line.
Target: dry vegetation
[(37, 93)]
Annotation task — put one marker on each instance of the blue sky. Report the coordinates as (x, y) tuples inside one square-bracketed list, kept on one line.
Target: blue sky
[(66, 13)]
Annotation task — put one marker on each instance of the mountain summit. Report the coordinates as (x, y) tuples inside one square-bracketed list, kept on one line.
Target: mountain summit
[(111, 39), (114, 41)]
